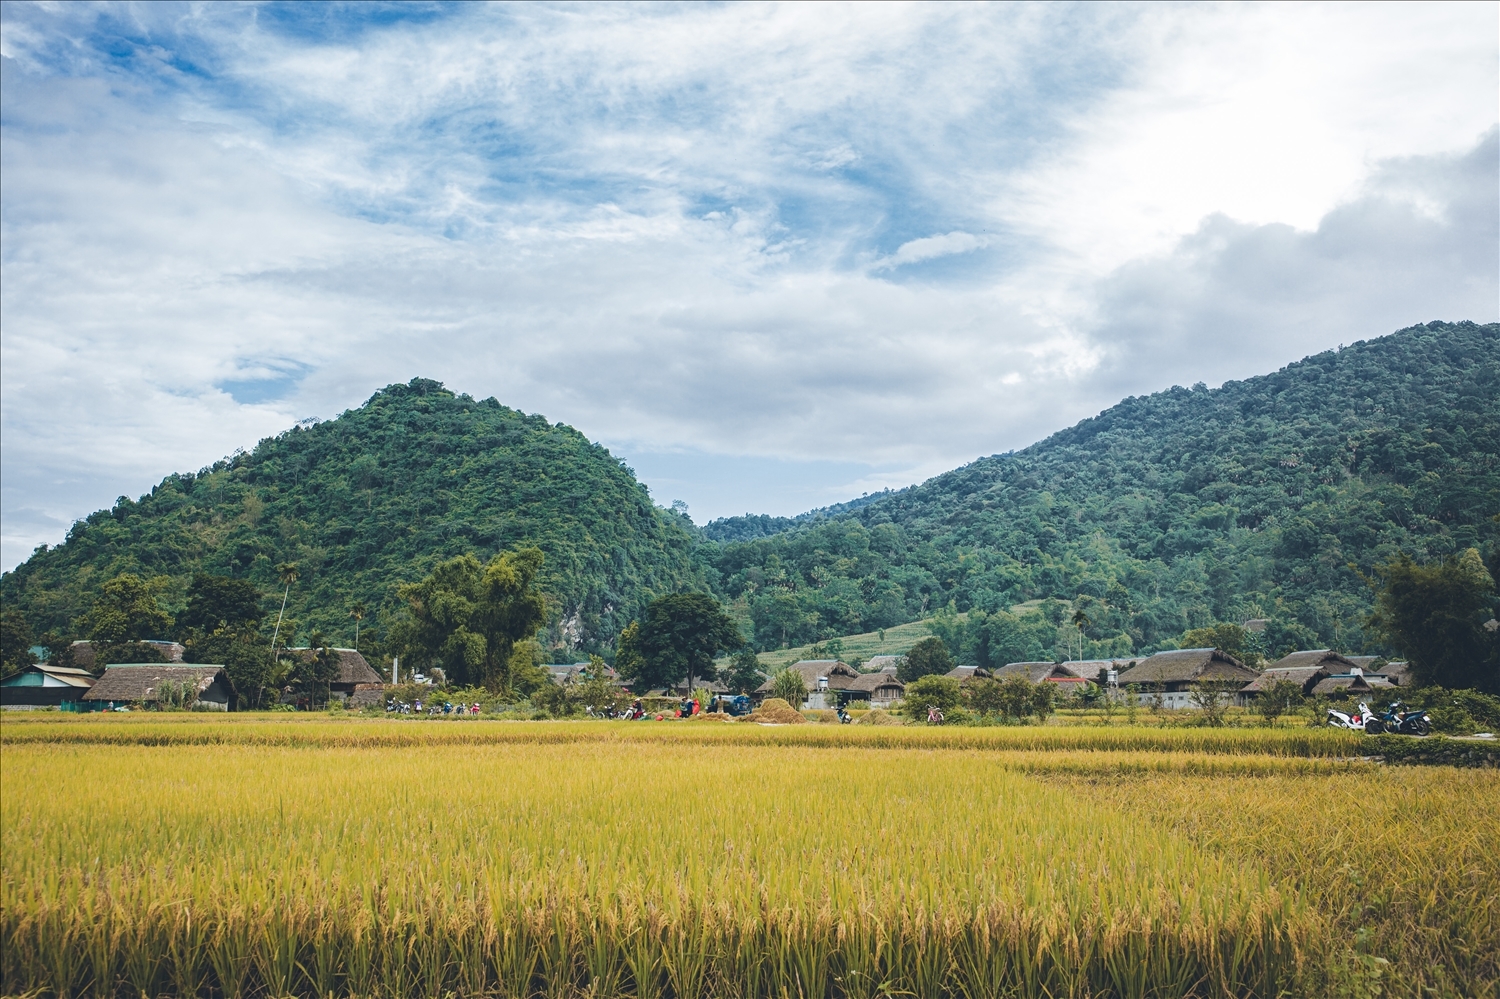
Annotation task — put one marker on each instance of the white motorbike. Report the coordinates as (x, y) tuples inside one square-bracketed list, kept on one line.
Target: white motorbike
[(1357, 721)]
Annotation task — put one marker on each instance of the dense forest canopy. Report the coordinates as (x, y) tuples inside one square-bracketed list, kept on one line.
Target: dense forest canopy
[(1270, 498), (376, 498), (1265, 498)]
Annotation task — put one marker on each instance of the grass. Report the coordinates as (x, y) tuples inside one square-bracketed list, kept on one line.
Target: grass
[(895, 641), (151, 855)]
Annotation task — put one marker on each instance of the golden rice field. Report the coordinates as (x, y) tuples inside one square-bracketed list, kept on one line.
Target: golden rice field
[(230, 857)]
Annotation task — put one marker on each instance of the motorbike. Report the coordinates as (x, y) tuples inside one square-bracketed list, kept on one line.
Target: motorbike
[(1400, 721), (1359, 721)]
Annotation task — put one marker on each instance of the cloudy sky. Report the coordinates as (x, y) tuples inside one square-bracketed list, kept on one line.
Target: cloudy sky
[(773, 256)]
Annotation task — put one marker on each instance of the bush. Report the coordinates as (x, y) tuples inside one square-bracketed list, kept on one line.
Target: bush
[(942, 692)]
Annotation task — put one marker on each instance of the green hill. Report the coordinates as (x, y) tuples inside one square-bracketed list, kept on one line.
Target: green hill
[(376, 497), (1264, 498)]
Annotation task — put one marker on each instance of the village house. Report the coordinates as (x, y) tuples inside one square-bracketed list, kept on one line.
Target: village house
[(823, 678), (208, 688), (85, 657), (357, 683), (1064, 675), (882, 664), (1322, 672), (881, 688), (42, 686), (1173, 675)]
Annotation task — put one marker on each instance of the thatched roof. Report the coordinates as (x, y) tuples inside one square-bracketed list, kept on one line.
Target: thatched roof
[(1188, 666), (353, 668), (1324, 658), (882, 664), (869, 683), (968, 672), (141, 682), (1397, 671), (1037, 672), (1303, 676), (84, 654), (839, 674), (1354, 684)]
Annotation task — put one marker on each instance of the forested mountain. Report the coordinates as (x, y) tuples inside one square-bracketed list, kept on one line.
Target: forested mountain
[(1265, 498), (377, 497)]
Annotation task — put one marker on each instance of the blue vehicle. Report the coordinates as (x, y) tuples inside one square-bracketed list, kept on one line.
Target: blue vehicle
[(737, 706)]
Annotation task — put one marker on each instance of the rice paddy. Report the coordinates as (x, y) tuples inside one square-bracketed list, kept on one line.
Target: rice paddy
[(235, 857)]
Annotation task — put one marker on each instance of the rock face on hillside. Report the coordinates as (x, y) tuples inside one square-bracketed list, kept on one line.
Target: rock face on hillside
[(375, 497)]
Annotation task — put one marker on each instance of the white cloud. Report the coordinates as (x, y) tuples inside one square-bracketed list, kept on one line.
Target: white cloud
[(660, 225), (930, 248)]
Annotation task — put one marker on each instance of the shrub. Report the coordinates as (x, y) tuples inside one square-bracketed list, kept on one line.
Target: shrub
[(942, 692)]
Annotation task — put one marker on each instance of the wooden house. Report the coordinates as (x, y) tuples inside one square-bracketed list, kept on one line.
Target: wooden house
[(882, 689), (357, 683), (1062, 674), (209, 687), (42, 686), (1173, 675), (823, 678)]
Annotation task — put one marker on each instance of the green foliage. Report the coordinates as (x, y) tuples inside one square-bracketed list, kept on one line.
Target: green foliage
[(929, 657), (744, 673), (1277, 698), (1166, 512), (15, 642), (124, 615), (1435, 615), (219, 602), (414, 477), (1212, 697), (789, 685), (677, 640), (941, 692), (466, 618), (1230, 638)]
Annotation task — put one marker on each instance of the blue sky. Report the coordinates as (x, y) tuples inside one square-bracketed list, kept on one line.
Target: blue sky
[(774, 256)]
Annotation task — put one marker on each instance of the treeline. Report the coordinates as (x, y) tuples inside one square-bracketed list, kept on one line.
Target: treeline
[(1268, 498)]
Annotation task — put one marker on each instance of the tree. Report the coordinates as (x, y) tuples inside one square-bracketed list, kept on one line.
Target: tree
[(219, 602), (1212, 697), (287, 573), (942, 692), (314, 669), (677, 640), (744, 673), (1277, 698), (789, 685), (15, 642), (1017, 695), (1230, 638), (124, 616), (929, 657), (467, 618), (1435, 616), (358, 613)]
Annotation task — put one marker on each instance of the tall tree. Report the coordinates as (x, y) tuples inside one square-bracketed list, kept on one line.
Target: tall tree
[(744, 672), (466, 617), (929, 657), (358, 613), (124, 616), (15, 642), (288, 574), (220, 602), (678, 640), (1435, 615)]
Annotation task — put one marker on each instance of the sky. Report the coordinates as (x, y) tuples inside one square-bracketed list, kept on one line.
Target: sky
[(773, 256)]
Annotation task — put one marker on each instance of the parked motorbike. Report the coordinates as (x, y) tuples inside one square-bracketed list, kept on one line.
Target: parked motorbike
[(1359, 721), (1401, 721)]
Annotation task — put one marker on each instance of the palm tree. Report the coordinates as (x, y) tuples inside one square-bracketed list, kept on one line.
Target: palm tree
[(1080, 621), (287, 572), (358, 613)]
